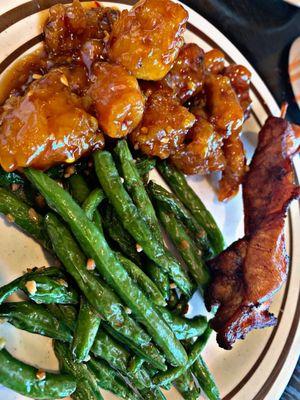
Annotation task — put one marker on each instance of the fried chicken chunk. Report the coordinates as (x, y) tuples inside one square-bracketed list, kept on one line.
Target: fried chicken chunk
[(248, 274), (186, 76), (240, 78), (68, 27), (46, 126), (202, 151), (235, 167), (147, 38), (214, 61), (223, 106), (117, 98), (164, 125)]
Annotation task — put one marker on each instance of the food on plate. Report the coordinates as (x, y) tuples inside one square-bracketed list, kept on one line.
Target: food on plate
[(248, 274), (164, 125), (82, 123), (46, 126), (147, 38), (117, 99)]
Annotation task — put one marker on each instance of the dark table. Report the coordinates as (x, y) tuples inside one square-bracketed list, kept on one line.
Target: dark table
[(263, 30)]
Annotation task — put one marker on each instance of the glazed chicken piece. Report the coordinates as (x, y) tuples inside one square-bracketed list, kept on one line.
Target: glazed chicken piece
[(146, 39), (186, 76), (46, 126), (240, 78), (69, 27), (214, 62), (235, 167), (164, 125), (246, 276), (117, 98), (223, 106), (201, 152)]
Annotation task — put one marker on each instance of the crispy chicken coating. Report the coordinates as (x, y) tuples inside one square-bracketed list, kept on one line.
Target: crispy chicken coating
[(186, 76), (164, 125), (240, 78), (68, 27), (214, 61), (202, 152), (223, 106), (118, 100), (147, 38), (235, 169), (46, 126)]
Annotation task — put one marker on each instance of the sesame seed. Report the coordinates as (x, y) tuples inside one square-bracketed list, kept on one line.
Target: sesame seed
[(36, 76), (138, 248), (15, 187), (2, 343), (70, 160), (90, 264), (41, 375), (128, 310), (122, 179), (173, 285), (64, 80), (31, 287), (10, 218), (33, 215), (165, 140)]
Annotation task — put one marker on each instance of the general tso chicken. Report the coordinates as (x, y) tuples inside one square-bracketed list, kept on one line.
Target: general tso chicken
[(108, 74)]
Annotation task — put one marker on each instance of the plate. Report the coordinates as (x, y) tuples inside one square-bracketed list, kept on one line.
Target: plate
[(257, 368)]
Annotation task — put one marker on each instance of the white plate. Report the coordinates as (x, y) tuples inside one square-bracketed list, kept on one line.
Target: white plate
[(257, 368)]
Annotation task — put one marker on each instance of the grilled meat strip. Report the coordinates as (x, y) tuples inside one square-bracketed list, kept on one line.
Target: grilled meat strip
[(246, 276)]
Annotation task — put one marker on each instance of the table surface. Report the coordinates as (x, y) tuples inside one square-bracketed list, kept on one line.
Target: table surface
[(263, 30)]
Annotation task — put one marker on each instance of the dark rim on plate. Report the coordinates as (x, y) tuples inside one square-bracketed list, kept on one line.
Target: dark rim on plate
[(32, 7)]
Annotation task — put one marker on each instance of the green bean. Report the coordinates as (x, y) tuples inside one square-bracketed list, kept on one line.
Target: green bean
[(135, 364), (158, 276), (24, 216), (184, 328), (119, 358), (134, 223), (153, 394), (177, 182), (167, 377), (79, 188), (186, 386), (11, 287), (66, 313), (136, 189), (173, 204), (145, 283), (119, 235), (98, 294), (205, 379), (49, 290), (94, 244), (108, 379), (24, 379), (35, 318), (92, 202), (185, 246), (146, 165), (87, 385), (87, 326)]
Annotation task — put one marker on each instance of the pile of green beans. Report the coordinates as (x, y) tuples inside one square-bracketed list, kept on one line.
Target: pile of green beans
[(116, 307)]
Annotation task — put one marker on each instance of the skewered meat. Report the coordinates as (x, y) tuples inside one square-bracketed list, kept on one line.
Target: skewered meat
[(147, 38), (247, 274), (117, 97)]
